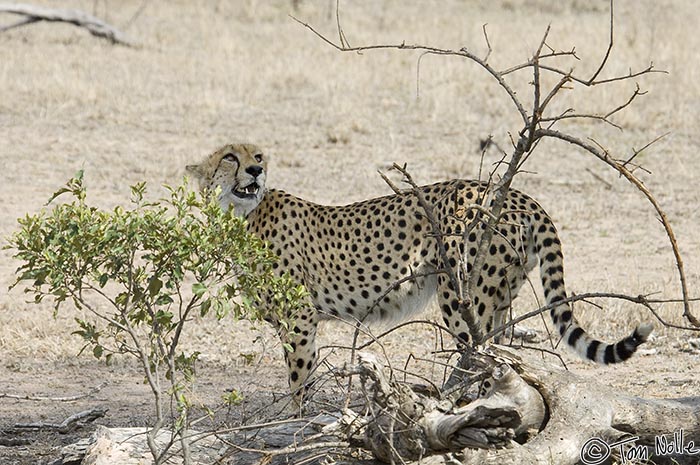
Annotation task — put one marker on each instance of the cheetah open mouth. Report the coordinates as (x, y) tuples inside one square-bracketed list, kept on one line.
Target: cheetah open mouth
[(248, 192)]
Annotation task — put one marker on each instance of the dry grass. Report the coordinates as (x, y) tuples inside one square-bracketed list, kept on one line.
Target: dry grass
[(211, 72)]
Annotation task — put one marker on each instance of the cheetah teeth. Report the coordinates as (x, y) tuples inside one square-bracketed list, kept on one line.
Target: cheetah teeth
[(247, 191)]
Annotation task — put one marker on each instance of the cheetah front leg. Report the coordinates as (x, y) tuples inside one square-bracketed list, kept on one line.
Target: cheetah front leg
[(302, 359)]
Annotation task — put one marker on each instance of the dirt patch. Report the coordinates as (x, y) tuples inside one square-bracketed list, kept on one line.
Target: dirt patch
[(206, 74)]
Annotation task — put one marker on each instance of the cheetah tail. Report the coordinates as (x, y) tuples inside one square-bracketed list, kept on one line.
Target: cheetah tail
[(602, 352), (552, 275)]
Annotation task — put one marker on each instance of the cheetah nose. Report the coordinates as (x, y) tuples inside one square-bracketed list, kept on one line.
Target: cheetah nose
[(254, 170)]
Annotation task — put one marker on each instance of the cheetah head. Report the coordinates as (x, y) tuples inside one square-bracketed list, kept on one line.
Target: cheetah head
[(239, 170)]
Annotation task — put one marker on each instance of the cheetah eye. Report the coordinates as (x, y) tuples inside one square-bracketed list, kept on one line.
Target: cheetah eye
[(259, 158), (230, 157)]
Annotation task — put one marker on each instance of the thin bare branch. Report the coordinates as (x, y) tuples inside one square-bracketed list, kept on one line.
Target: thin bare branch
[(464, 301), (341, 34), (578, 116), (634, 95), (267, 454), (552, 93), (646, 146), (488, 44), (420, 57), (401, 325), (536, 108), (136, 14), (569, 114), (530, 63), (631, 75), (610, 44)]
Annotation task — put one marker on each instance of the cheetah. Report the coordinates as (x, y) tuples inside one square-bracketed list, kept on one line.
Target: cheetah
[(354, 260)]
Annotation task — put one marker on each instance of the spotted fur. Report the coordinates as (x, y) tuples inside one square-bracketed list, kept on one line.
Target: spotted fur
[(350, 257)]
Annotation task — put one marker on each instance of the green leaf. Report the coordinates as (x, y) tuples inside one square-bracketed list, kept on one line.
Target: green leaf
[(137, 192), (58, 193), (164, 299), (233, 398), (121, 299), (204, 308), (74, 186), (198, 289), (164, 318), (154, 286)]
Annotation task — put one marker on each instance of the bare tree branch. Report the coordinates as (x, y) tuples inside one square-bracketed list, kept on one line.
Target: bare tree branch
[(464, 300), (69, 424), (431, 50), (620, 168)]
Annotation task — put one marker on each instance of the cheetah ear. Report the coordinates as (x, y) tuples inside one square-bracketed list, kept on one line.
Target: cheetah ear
[(197, 171)]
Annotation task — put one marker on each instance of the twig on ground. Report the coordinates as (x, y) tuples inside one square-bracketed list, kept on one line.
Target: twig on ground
[(599, 178), (14, 442), (136, 14), (69, 424), (92, 391)]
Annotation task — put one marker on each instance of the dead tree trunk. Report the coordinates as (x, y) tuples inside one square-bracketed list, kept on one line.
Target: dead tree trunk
[(528, 412)]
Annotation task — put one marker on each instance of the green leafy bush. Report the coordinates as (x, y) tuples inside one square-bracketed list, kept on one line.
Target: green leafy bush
[(144, 272)]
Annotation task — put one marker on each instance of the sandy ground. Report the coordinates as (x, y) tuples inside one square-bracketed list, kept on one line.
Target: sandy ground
[(206, 73)]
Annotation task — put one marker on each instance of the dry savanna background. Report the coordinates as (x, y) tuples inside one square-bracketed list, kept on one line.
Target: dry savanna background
[(207, 73)]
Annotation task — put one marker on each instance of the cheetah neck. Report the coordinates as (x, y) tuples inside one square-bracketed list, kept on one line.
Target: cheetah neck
[(245, 209)]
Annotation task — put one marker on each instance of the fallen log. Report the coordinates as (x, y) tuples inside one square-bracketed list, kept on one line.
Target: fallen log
[(568, 420), (33, 14)]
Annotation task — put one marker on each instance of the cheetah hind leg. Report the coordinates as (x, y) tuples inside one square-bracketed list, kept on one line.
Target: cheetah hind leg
[(522, 333), (517, 332), (503, 300)]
